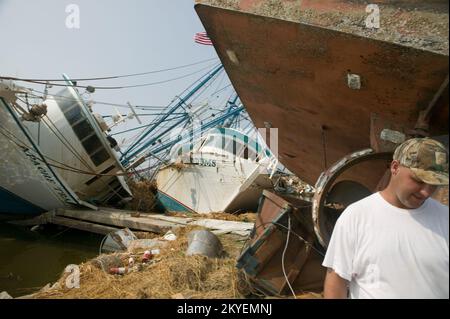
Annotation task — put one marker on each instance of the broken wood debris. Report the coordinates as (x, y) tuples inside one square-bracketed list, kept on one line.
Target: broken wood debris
[(106, 220)]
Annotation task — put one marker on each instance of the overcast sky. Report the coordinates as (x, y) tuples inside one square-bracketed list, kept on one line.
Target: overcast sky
[(114, 37)]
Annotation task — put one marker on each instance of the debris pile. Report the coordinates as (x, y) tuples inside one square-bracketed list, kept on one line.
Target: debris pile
[(292, 185), (170, 273), (144, 199)]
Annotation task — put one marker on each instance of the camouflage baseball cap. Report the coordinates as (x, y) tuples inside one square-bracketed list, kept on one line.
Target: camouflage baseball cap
[(427, 158)]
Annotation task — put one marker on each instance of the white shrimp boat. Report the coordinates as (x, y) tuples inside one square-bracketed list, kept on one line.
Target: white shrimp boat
[(55, 156), (224, 171)]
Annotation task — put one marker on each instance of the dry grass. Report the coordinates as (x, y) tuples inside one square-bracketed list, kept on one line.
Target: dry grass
[(169, 273), (244, 217), (146, 235), (144, 196)]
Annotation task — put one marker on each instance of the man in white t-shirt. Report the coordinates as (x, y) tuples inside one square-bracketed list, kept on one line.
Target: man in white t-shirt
[(394, 243)]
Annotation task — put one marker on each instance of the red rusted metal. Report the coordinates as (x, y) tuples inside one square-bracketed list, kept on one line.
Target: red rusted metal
[(294, 76), (385, 135), (350, 165), (261, 259)]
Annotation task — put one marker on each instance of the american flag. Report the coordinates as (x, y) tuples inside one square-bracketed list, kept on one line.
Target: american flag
[(202, 38)]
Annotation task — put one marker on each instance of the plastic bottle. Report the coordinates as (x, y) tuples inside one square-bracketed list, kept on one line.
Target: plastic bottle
[(118, 270), (147, 256)]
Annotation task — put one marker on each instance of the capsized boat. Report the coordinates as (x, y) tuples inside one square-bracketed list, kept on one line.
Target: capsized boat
[(55, 154), (224, 171)]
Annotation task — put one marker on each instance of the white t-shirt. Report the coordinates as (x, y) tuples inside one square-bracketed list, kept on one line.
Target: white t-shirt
[(389, 252)]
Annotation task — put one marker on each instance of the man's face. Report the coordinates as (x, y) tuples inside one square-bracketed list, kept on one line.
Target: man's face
[(410, 191)]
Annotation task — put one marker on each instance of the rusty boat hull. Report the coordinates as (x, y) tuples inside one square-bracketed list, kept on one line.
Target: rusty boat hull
[(296, 76), (341, 94)]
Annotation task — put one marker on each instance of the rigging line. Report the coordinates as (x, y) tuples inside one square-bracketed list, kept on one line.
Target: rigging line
[(129, 130), (284, 254), (156, 130), (158, 144), (186, 124), (75, 170), (293, 232), (119, 87), (168, 150), (108, 77), (224, 101), (204, 76), (168, 122), (140, 114), (144, 107), (158, 166), (206, 86), (66, 143), (139, 127), (144, 131), (225, 87), (78, 156), (23, 145), (222, 77)]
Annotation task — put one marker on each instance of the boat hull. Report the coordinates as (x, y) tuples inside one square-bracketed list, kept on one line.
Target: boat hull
[(295, 77), (28, 186), (203, 190)]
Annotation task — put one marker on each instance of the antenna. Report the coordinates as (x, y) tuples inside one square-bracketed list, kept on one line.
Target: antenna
[(133, 113), (117, 118)]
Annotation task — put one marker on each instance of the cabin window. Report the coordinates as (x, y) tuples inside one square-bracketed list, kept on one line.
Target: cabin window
[(234, 146), (72, 111), (83, 129), (92, 143), (114, 183), (105, 171), (73, 114), (246, 152), (223, 139), (65, 100), (99, 157)]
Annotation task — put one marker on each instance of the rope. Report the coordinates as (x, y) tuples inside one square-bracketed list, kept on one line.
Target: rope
[(283, 255), (113, 87), (108, 77)]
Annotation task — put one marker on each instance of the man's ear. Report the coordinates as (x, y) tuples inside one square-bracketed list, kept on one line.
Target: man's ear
[(395, 166)]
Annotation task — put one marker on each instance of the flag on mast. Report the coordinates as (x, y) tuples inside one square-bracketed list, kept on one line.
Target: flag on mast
[(202, 38)]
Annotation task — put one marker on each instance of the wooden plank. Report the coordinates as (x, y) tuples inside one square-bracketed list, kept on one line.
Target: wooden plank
[(172, 219), (239, 228), (38, 220), (153, 223), (119, 219), (85, 226)]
